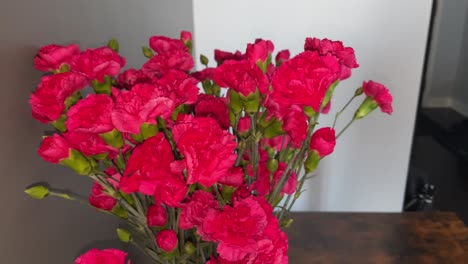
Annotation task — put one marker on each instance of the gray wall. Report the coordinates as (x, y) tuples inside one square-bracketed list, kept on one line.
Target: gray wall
[(448, 58), (55, 231)]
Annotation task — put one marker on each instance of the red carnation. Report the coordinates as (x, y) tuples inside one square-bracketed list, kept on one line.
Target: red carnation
[(295, 125), (162, 44), (323, 141), (243, 125), (185, 36), (302, 81), (179, 87), (243, 77), (100, 199), (156, 215), (97, 63), (208, 150), (259, 51), (140, 105), (282, 56), (214, 107), (195, 209), (48, 101), (131, 77), (234, 177), (171, 190), (380, 95), (160, 64), (149, 164), (345, 55), (236, 228), (222, 56), (52, 57), (107, 256), (54, 149), (167, 240), (205, 74), (89, 143), (91, 115)]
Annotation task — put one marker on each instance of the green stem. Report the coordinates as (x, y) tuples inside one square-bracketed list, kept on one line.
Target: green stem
[(255, 156), (346, 127), (342, 110), (219, 197), (169, 137)]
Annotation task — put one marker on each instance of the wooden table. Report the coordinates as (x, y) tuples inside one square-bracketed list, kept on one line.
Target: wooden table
[(436, 237)]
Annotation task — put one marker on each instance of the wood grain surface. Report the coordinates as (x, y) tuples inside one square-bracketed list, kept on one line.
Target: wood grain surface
[(435, 237)]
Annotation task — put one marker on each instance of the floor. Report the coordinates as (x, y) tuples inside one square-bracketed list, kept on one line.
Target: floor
[(438, 154)]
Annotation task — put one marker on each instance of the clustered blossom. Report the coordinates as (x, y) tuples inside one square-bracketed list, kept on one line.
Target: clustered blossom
[(195, 172)]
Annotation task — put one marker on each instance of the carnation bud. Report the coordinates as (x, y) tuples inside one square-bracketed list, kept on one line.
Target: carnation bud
[(287, 223), (367, 106), (113, 44), (204, 60), (124, 235), (272, 165), (120, 211), (147, 52), (358, 91), (37, 192), (167, 240), (189, 248), (312, 161)]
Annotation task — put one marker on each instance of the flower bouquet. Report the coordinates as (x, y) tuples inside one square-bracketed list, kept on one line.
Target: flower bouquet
[(196, 177)]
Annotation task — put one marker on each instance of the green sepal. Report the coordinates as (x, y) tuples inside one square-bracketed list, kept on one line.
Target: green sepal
[(263, 66), (37, 192), (204, 60), (192, 188), (102, 87), (183, 108), (148, 130), (59, 124), (358, 91), (120, 211), (271, 128), (124, 235), (329, 94), (278, 201), (128, 198), (251, 102), (64, 68), (71, 100), (100, 156), (308, 111), (113, 138), (113, 44), (77, 162), (367, 106), (235, 103), (312, 161), (227, 192), (147, 52)]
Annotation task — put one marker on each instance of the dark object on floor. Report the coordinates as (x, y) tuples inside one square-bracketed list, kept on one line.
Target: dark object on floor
[(400, 238), (419, 194)]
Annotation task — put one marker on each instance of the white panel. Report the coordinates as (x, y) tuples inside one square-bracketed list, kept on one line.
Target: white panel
[(368, 170)]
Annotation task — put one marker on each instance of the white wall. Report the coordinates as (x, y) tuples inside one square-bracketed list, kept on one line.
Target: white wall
[(368, 170), (448, 46), (55, 231)]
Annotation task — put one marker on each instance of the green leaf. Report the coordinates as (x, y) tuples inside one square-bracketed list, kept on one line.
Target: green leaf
[(37, 192), (124, 235)]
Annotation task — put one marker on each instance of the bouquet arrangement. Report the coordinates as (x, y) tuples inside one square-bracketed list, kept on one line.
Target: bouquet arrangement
[(196, 177)]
